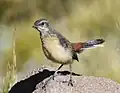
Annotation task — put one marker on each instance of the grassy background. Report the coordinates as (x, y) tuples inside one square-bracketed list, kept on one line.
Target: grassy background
[(78, 20)]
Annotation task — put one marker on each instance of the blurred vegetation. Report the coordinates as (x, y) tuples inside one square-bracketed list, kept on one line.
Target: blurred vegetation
[(78, 20)]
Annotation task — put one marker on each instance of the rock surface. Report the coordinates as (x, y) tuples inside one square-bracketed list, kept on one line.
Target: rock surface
[(81, 84)]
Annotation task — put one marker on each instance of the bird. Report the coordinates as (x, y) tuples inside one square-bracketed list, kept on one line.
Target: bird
[(58, 48)]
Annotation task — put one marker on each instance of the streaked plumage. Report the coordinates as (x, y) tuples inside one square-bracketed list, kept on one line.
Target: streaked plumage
[(59, 49)]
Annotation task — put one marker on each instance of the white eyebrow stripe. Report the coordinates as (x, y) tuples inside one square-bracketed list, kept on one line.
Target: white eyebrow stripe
[(44, 21)]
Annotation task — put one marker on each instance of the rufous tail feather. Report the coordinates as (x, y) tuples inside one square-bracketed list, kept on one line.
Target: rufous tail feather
[(80, 46)]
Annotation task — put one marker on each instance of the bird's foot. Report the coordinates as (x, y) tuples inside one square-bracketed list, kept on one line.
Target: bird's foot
[(46, 82), (53, 77), (44, 86), (70, 82)]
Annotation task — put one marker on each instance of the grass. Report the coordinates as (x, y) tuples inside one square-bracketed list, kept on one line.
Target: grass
[(10, 77), (80, 21)]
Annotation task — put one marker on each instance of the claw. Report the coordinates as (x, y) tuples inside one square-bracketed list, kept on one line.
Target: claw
[(43, 87), (70, 82), (53, 77)]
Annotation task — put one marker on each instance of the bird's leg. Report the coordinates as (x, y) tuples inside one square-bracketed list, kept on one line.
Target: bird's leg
[(52, 77), (70, 80), (57, 70)]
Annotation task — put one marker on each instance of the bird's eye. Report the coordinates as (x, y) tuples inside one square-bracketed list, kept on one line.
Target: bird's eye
[(42, 23)]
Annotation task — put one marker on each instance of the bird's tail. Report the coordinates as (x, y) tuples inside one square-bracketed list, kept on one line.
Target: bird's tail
[(78, 47), (93, 43)]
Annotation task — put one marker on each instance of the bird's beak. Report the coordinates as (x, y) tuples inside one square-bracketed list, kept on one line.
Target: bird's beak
[(34, 26)]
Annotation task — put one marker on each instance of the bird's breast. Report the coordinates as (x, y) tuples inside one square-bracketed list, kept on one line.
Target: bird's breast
[(57, 51)]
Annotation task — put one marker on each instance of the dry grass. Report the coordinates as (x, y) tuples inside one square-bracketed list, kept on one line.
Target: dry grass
[(78, 20), (11, 77)]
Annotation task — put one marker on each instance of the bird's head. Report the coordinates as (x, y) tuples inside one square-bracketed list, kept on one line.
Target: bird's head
[(42, 25)]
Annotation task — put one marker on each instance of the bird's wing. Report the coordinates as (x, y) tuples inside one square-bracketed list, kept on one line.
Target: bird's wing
[(67, 45), (63, 41)]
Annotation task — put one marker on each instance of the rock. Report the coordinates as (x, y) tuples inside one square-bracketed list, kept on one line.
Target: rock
[(81, 84)]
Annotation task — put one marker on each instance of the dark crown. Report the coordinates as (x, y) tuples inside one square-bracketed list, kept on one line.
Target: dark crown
[(41, 21)]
